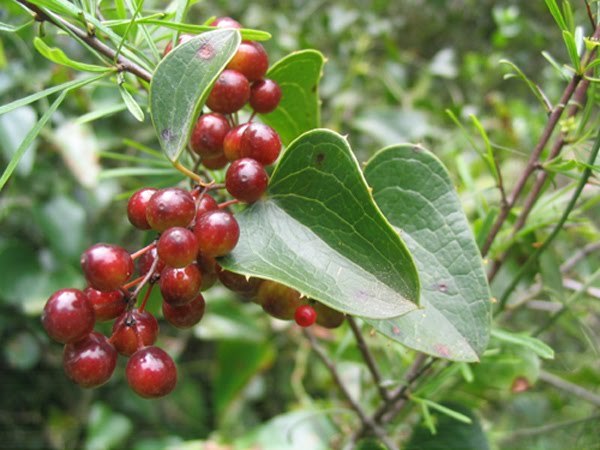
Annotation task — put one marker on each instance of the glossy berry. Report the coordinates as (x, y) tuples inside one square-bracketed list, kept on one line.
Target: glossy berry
[(136, 208), (260, 142), (305, 315), (246, 180), (264, 96), (208, 135), (107, 305), (215, 163), (251, 60), (106, 267), (182, 38), (177, 247), (230, 92), (180, 286), (232, 142), (278, 300), (208, 267), (134, 330), (91, 361), (240, 284), (225, 22), (217, 233), (185, 316), (146, 260), (170, 207), (68, 316), (206, 203), (151, 372)]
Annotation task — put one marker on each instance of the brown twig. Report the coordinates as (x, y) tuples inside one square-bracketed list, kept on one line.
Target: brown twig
[(570, 388)]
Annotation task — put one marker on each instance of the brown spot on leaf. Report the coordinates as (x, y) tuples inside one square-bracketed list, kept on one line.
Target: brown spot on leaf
[(442, 350), (319, 158), (442, 287), (206, 51), (396, 330)]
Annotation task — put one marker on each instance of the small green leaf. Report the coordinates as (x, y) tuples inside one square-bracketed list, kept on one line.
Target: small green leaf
[(414, 191), (247, 34), (524, 340), (556, 13), (537, 91), (572, 50), (14, 127), (107, 429), (181, 83), (132, 105), (320, 232), (298, 75), (443, 409), (56, 55)]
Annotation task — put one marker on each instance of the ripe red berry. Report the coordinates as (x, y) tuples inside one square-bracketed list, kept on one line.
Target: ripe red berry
[(182, 38), (134, 330), (177, 247), (151, 372), (232, 142), (251, 60), (206, 203), (146, 260), (246, 180), (107, 305), (217, 233), (215, 163), (170, 207), (208, 134), (260, 142), (305, 315), (184, 316), (225, 22), (106, 267), (208, 267), (180, 286), (230, 92), (68, 316), (136, 208), (264, 96), (91, 361)]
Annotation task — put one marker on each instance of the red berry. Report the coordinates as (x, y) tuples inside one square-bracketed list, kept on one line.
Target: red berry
[(225, 22), (170, 207), (264, 96), (106, 267), (185, 316), (180, 286), (251, 60), (134, 330), (91, 361), (206, 203), (230, 92), (136, 208), (217, 233), (182, 38), (68, 316), (260, 142), (232, 142), (107, 305), (151, 372), (146, 260), (208, 134), (215, 163), (177, 247), (305, 315), (208, 267), (240, 284), (246, 180)]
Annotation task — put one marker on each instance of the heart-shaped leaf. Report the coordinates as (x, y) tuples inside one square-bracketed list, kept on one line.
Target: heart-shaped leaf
[(298, 75), (182, 82), (320, 232), (414, 191)]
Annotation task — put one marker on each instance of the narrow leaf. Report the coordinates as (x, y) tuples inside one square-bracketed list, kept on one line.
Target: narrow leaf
[(555, 11), (414, 191), (131, 104), (56, 55), (524, 340), (537, 91), (572, 50), (443, 409), (247, 34)]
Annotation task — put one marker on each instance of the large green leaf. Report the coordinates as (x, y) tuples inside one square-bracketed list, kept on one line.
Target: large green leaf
[(320, 232), (181, 83), (298, 76), (414, 191)]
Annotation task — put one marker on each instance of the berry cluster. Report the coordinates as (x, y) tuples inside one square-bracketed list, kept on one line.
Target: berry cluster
[(193, 230)]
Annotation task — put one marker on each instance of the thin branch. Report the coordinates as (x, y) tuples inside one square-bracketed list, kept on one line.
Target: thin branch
[(519, 434), (570, 388), (579, 256), (368, 357)]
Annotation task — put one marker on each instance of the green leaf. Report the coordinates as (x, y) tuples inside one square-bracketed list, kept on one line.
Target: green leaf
[(556, 13), (56, 55), (572, 50), (537, 91), (132, 105), (414, 191), (524, 340), (443, 409), (181, 83), (247, 34), (107, 429), (14, 127), (320, 232), (298, 75)]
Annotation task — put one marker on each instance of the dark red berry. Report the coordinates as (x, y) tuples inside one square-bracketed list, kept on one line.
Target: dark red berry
[(68, 316), (217, 233), (251, 60), (215, 163), (208, 134), (208, 267), (170, 207), (177, 247), (182, 38), (246, 180), (106, 267), (206, 203), (264, 96), (180, 286), (260, 142), (146, 260), (91, 361), (185, 316), (134, 330), (136, 208), (151, 372), (230, 92), (305, 315), (107, 305), (225, 22), (240, 284), (232, 142)]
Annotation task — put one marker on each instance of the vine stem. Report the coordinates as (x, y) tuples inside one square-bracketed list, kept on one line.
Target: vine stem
[(143, 250), (147, 277)]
